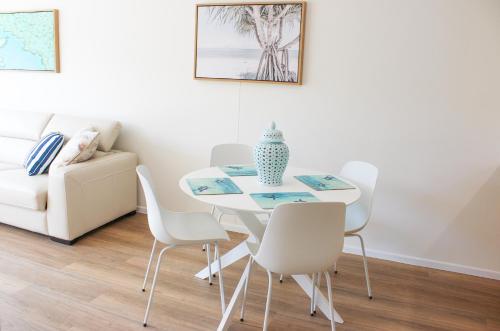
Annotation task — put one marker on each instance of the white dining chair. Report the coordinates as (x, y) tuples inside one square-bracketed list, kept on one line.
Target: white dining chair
[(178, 229), (364, 175), (228, 154), (300, 238)]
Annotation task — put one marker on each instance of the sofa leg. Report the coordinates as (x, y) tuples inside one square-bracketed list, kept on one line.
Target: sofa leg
[(63, 241), (72, 241)]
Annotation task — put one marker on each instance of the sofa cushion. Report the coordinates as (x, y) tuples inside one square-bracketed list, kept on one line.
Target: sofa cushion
[(8, 166), (69, 125), (42, 155), (20, 190), (14, 150), (81, 147), (22, 124)]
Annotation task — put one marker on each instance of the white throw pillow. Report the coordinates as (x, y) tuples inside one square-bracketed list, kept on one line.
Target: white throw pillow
[(81, 147)]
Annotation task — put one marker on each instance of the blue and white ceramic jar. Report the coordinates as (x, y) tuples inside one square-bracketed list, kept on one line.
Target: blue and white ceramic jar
[(271, 157)]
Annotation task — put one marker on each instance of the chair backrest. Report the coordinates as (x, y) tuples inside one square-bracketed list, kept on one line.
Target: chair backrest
[(155, 211), (226, 154), (303, 238), (364, 175)]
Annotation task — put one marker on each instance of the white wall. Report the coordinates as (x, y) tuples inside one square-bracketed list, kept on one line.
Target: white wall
[(412, 86)]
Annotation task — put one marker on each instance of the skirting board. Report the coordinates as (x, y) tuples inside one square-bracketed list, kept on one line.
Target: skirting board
[(142, 210), (428, 263), (412, 260)]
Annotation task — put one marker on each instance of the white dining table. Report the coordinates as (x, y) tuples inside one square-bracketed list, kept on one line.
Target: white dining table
[(247, 210)]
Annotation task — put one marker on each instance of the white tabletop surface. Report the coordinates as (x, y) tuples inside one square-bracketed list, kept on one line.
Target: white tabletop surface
[(249, 184)]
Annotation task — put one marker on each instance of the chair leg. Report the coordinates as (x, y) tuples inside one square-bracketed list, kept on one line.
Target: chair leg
[(335, 268), (151, 256), (244, 300), (204, 246), (207, 245), (313, 299), (268, 301), (218, 220), (216, 257), (330, 298), (221, 280), (157, 271), (365, 263), (281, 278), (318, 284)]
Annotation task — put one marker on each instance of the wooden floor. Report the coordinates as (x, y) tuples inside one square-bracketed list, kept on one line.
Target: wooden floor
[(95, 285)]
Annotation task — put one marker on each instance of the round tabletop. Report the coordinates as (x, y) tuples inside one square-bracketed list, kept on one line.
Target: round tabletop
[(249, 184)]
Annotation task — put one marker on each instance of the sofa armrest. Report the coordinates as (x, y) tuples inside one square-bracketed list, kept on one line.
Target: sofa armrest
[(84, 196)]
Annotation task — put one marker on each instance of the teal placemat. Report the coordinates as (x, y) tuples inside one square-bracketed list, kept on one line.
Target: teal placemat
[(211, 186), (239, 170), (324, 182), (271, 200)]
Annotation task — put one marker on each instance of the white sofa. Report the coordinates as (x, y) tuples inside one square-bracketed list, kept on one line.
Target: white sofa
[(69, 201)]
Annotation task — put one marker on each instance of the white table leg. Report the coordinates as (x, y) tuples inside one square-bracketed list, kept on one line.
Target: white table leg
[(229, 258), (305, 282), (256, 230), (233, 304)]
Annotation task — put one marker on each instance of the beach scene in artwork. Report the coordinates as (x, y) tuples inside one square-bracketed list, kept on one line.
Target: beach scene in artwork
[(253, 42)]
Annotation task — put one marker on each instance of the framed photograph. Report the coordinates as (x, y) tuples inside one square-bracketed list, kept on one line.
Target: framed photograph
[(256, 42), (29, 40)]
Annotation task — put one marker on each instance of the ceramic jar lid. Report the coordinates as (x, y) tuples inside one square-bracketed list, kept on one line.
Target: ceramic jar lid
[(272, 135)]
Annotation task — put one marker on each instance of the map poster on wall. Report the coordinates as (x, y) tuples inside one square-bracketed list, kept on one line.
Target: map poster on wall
[(29, 41)]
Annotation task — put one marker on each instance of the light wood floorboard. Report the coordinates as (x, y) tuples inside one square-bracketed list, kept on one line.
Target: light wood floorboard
[(95, 285)]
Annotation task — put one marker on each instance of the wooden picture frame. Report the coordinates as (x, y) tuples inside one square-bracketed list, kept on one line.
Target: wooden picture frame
[(229, 47), (55, 62)]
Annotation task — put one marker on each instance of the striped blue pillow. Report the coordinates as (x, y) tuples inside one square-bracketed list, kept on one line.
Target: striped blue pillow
[(42, 155)]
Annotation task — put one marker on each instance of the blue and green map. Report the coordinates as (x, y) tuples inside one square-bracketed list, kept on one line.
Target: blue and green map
[(27, 41)]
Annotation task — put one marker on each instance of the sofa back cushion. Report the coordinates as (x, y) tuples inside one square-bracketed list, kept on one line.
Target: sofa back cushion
[(69, 125), (23, 125)]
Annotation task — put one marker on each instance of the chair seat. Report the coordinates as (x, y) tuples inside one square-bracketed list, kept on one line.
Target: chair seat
[(193, 228), (355, 219), (353, 225)]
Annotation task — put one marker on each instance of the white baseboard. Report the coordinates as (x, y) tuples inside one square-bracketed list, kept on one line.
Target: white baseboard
[(411, 260), (428, 263), (141, 209)]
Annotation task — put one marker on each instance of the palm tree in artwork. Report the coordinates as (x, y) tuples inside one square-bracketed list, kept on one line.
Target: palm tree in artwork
[(266, 23)]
